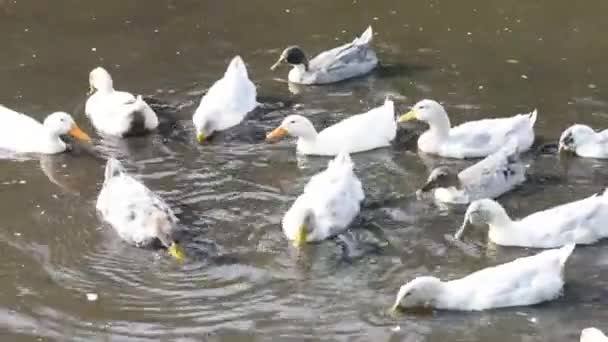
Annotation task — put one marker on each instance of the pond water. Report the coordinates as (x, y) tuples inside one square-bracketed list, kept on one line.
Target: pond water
[(243, 281)]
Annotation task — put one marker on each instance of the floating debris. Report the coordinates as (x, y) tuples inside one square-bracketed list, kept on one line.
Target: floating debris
[(525, 77), (91, 297), (512, 61)]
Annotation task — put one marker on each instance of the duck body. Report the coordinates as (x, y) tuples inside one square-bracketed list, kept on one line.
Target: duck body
[(139, 216), (227, 102), (117, 113), (358, 133), (524, 281), (474, 139), (23, 134), (593, 335), (585, 142), (580, 222), (350, 60), (330, 202), (491, 177)]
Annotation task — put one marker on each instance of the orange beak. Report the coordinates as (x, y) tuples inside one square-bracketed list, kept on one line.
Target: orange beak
[(277, 134), (77, 133)]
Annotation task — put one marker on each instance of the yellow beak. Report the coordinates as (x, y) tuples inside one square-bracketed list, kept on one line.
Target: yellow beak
[(77, 133), (201, 137), (409, 116), (177, 252), (301, 236), (276, 134)]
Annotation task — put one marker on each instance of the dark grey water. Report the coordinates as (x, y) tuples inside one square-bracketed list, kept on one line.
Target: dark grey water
[(245, 282)]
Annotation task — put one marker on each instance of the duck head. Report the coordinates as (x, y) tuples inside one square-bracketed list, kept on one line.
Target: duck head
[(441, 177), (420, 292), (162, 229), (294, 125), (483, 212), (100, 80), (292, 55), (61, 123), (574, 137)]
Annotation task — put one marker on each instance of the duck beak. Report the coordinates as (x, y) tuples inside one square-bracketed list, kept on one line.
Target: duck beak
[(177, 252), (428, 186), (301, 236), (460, 231), (201, 138), (409, 116), (278, 63), (276, 134), (77, 133)]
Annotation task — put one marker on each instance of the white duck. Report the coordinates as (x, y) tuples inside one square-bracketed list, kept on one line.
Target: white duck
[(114, 112), (330, 202), (585, 142), (226, 103), (23, 134), (473, 139), (593, 335), (139, 216), (524, 281), (358, 133), (582, 222), (343, 62), (491, 177)]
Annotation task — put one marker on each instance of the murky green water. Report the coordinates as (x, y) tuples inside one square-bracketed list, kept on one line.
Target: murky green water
[(245, 282)]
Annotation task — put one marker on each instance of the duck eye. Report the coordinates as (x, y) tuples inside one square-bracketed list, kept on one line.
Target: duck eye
[(292, 122)]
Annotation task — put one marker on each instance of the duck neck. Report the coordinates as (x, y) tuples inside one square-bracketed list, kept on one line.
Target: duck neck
[(52, 141), (301, 68), (105, 87), (440, 126), (501, 226)]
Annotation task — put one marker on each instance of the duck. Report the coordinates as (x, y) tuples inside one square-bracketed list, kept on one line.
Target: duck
[(491, 177), (117, 113), (523, 281), (593, 335), (330, 202), (584, 141), (582, 222), (139, 216), (350, 60), (21, 133), (473, 139), (358, 133), (226, 103)]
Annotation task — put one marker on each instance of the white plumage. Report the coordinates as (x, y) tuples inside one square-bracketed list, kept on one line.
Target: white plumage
[(585, 142), (491, 177), (524, 281), (593, 335), (23, 134), (114, 112), (358, 133), (473, 139), (330, 202), (227, 102), (138, 215), (581, 222)]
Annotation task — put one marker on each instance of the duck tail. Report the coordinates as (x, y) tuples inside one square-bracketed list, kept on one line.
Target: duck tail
[(113, 168), (592, 335), (341, 161), (237, 67), (565, 252), (366, 37), (532, 116)]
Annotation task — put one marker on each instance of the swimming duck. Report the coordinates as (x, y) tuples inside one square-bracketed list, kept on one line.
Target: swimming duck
[(473, 139), (489, 178), (358, 133), (114, 112), (139, 216), (593, 335), (582, 222), (583, 141), (23, 134), (343, 62), (330, 202), (524, 281), (226, 103)]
